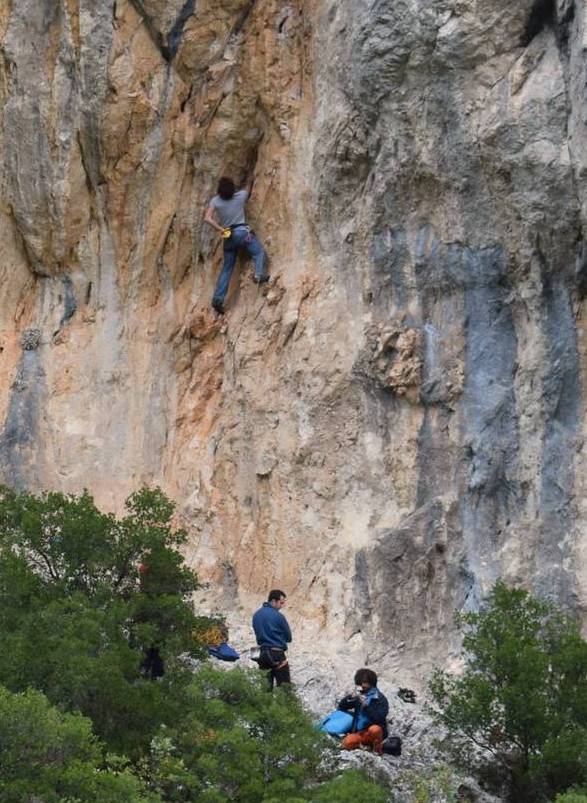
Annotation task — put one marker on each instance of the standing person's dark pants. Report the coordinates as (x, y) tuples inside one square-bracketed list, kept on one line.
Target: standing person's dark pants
[(274, 659), (241, 239)]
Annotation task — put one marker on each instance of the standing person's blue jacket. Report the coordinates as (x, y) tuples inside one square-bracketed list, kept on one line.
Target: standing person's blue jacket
[(271, 627)]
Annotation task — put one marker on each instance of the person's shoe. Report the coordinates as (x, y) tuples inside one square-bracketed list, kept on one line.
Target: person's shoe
[(218, 306), (261, 279)]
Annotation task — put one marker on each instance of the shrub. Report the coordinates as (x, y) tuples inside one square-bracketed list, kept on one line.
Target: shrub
[(243, 744), (77, 615), (51, 756), (519, 709)]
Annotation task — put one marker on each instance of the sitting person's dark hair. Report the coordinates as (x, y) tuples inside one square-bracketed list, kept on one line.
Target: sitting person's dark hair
[(365, 676), (275, 595), (226, 188)]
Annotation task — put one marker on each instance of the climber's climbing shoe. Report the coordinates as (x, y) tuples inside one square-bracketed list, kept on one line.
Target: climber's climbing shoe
[(261, 279), (218, 307)]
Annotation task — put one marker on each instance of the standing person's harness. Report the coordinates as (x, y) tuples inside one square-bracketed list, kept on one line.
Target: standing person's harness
[(268, 661)]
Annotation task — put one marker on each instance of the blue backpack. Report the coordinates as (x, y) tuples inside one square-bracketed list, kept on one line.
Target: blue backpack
[(336, 724), (224, 652)]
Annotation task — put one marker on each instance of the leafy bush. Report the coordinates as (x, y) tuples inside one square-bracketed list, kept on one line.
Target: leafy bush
[(241, 743), (54, 757), (519, 709), (77, 615), (350, 787), (433, 783)]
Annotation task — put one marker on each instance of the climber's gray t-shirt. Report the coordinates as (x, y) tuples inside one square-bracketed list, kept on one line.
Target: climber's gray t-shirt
[(230, 213)]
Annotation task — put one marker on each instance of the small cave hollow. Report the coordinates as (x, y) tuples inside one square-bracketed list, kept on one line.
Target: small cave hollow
[(542, 15)]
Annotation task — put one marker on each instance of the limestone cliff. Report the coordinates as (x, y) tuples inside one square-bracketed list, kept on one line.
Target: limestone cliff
[(398, 419)]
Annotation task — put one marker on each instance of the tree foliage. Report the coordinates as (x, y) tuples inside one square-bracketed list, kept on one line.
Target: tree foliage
[(54, 757), (77, 615), (241, 744), (519, 709)]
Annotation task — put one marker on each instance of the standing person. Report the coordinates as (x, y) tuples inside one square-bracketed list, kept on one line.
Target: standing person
[(226, 214), (273, 635), (370, 709)]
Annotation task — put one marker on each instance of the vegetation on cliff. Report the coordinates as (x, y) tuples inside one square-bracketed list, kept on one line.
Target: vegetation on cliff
[(518, 711)]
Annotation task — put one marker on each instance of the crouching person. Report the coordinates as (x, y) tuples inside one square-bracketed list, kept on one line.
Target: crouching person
[(369, 708)]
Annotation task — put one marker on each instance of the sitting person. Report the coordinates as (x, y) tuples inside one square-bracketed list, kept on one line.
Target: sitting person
[(369, 708)]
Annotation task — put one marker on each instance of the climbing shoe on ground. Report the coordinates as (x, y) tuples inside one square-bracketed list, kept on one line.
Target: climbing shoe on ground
[(218, 307), (407, 695), (260, 279)]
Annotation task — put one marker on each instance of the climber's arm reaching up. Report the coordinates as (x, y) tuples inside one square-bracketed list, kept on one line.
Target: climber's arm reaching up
[(248, 185)]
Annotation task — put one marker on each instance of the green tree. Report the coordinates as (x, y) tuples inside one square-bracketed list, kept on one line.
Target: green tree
[(77, 613), (241, 744), (519, 709), (51, 756)]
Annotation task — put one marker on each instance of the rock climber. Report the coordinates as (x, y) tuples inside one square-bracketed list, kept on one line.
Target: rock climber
[(273, 635), (370, 709), (226, 214)]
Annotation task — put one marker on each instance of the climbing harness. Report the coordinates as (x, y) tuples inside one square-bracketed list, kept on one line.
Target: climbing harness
[(250, 232)]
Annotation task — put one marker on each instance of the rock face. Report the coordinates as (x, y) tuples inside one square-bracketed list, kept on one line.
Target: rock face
[(397, 420)]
